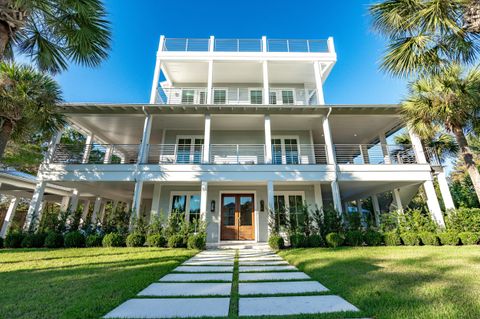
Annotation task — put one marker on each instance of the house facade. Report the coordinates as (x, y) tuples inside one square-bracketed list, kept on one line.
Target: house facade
[(235, 129)]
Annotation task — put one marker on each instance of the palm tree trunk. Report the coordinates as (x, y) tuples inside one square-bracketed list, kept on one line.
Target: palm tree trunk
[(5, 133), (468, 158), (4, 38)]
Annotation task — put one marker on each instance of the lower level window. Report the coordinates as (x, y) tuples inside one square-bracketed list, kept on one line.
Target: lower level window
[(187, 203), (289, 209)]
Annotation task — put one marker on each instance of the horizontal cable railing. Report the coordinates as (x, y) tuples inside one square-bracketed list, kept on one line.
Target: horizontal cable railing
[(303, 154), (186, 44), (95, 153), (374, 154), (297, 45), (237, 154), (238, 45), (192, 95), (432, 156), (175, 154)]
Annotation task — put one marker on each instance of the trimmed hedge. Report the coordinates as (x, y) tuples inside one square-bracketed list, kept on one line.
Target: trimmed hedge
[(14, 239), (74, 239), (156, 240), (113, 240), (449, 238), (94, 240), (135, 240), (298, 240), (1, 242), (197, 241), (410, 239), (315, 241), (32, 240), (276, 242), (429, 238), (334, 239), (354, 238), (372, 238), (54, 240), (392, 239), (176, 241), (468, 238)]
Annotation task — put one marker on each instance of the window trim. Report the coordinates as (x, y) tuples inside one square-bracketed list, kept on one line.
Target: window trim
[(188, 194), (278, 93), (286, 194), (192, 146), (282, 139), (220, 89), (250, 95)]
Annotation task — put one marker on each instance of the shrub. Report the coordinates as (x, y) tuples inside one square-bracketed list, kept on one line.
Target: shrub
[(32, 240), (468, 238), (14, 239), (298, 240), (463, 220), (410, 239), (54, 240), (334, 239), (429, 238), (315, 241), (372, 238), (197, 241), (74, 239), (276, 242), (176, 241), (113, 240), (392, 238), (1, 242), (156, 240), (448, 238), (94, 240), (354, 238), (135, 240)]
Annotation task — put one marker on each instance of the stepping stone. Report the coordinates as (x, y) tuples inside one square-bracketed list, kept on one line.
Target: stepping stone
[(263, 263), (204, 269), (286, 287), (260, 259), (198, 277), (187, 289), (272, 276), (266, 268), (171, 308), (197, 262), (277, 306)]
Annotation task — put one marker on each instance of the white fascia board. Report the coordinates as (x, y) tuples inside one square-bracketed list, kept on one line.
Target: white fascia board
[(247, 56), (413, 172)]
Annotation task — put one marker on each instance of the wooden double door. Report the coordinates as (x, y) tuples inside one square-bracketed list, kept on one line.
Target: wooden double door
[(238, 218)]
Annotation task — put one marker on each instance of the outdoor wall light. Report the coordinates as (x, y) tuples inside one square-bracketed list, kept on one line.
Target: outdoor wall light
[(212, 206), (262, 205)]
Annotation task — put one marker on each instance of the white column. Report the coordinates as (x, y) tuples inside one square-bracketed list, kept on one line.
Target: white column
[(86, 208), (103, 209), (114, 206), (9, 216), (206, 139), (53, 145), (157, 191), (128, 206), (147, 128), (327, 135), (317, 70), (417, 147), (211, 44), (96, 209), (337, 199), (432, 203), (359, 205), (264, 44), (156, 73), (268, 140), (137, 199), (376, 209), (270, 205), (203, 200), (383, 145), (445, 191), (88, 148), (108, 154), (317, 189), (397, 199), (35, 206), (64, 203), (265, 83), (74, 200), (210, 82)]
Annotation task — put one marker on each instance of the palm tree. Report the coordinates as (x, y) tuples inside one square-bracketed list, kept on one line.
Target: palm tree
[(450, 99), (28, 101), (427, 35), (53, 32)]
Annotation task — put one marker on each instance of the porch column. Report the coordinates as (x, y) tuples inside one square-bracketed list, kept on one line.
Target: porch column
[(108, 154), (397, 199), (88, 148), (337, 200), (52, 146), (128, 206), (156, 73), (266, 88), (103, 209), (417, 147), (268, 140), (143, 150), (114, 205), (317, 71), (206, 139), (432, 203), (64, 203), (445, 191), (86, 208), (383, 145), (359, 205), (210, 81), (157, 191), (376, 209), (270, 206), (137, 199), (327, 135), (96, 209), (9, 216), (74, 200), (35, 206), (203, 200), (317, 189)]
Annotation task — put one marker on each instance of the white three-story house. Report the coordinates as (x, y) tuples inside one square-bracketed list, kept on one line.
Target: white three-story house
[(236, 128)]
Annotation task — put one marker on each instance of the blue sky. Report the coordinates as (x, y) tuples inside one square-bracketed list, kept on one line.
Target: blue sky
[(126, 76)]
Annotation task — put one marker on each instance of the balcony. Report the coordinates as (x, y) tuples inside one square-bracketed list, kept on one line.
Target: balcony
[(236, 96), (239, 154)]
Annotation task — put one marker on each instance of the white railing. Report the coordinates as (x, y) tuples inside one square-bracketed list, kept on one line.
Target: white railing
[(185, 44), (175, 154), (238, 45), (299, 154), (374, 154), (96, 153), (246, 154), (297, 45)]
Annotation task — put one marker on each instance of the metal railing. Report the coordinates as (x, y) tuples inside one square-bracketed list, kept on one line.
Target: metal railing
[(374, 154), (96, 153), (247, 154), (185, 44), (432, 156), (238, 45), (299, 154), (236, 96), (175, 154), (297, 45)]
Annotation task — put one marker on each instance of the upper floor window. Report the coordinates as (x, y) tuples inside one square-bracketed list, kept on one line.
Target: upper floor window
[(285, 150), (219, 96), (188, 96), (256, 96), (287, 97), (273, 98), (189, 150)]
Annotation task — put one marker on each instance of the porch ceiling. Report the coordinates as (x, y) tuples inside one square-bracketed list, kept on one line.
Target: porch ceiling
[(362, 189)]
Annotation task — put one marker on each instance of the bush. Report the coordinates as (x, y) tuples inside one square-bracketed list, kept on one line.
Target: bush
[(113, 240), (32, 240), (156, 240), (94, 240), (276, 242), (14, 239), (354, 238), (334, 239), (54, 240), (298, 240), (448, 238), (410, 239), (468, 238), (135, 240), (315, 241), (74, 239), (1, 242), (372, 238), (463, 220), (176, 241), (392, 238), (429, 238), (197, 241)]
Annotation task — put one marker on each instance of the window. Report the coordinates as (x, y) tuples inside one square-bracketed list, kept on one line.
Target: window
[(188, 96), (179, 203), (256, 97), (291, 151), (285, 151), (273, 98), (189, 150), (287, 97), (203, 97), (220, 96), (194, 208), (289, 207), (188, 203)]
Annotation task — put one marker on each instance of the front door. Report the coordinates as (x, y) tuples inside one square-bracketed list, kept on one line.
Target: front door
[(238, 217)]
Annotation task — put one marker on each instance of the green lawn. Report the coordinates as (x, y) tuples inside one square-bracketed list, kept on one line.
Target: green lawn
[(78, 283), (399, 282)]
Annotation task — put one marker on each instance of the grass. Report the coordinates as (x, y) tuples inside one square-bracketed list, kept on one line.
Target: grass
[(398, 282), (78, 283)]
